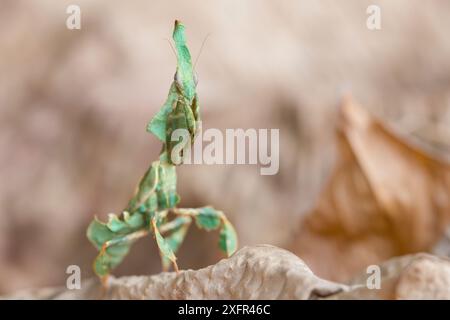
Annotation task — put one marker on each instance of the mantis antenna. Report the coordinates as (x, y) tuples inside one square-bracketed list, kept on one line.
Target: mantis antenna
[(173, 49), (199, 53), (201, 49)]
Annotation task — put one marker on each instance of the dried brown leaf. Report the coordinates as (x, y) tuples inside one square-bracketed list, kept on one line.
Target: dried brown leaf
[(385, 197)]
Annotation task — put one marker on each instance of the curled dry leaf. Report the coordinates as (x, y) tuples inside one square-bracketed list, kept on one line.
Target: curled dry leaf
[(258, 272), (386, 197), (417, 276), (266, 272)]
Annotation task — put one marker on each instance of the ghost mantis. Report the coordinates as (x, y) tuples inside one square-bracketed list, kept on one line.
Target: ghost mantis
[(155, 199)]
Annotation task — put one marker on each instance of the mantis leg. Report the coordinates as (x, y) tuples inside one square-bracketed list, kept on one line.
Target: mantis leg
[(169, 245), (177, 230), (124, 239), (174, 224), (119, 240)]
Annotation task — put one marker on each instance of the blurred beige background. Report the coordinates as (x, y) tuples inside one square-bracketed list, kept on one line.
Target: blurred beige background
[(74, 105)]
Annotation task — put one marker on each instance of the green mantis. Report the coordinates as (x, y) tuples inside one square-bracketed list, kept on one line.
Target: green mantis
[(153, 208)]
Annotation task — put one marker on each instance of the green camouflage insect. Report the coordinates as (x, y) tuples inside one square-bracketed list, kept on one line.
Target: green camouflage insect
[(156, 198)]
